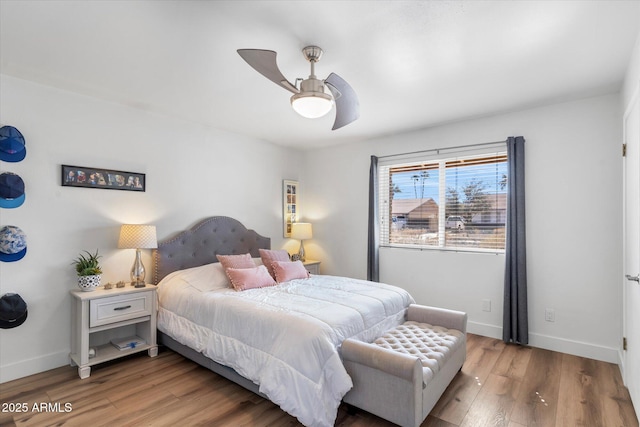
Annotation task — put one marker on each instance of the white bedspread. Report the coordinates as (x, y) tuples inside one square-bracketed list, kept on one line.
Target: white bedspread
[(285, 338)]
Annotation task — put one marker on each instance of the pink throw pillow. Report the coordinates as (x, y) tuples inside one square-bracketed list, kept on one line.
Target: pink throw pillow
[(286, 271), (250, 278), (236, 261), (270, 256)]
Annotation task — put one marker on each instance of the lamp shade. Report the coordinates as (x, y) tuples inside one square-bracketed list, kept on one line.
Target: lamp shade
[(137, 236), (301, 230)]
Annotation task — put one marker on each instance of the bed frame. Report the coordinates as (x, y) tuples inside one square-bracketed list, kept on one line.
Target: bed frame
[(199, 245)]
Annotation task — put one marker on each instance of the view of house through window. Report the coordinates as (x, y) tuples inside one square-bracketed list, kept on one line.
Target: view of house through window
[(451, 202)]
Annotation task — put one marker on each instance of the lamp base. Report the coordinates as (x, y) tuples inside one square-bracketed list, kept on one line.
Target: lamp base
[(137, 272)]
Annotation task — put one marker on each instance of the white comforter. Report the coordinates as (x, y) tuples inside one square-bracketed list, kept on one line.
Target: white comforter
[(284, 338)]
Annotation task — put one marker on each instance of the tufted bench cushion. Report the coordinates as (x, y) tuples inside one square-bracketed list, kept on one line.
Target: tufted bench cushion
[(431, 344)]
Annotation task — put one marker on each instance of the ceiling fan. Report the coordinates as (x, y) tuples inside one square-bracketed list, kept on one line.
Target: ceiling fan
[(310, 99)]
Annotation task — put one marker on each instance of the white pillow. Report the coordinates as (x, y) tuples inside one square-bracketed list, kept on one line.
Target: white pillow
[(208, 277)]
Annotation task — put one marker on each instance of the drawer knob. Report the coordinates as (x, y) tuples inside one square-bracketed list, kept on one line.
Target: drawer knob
[(122, 308)]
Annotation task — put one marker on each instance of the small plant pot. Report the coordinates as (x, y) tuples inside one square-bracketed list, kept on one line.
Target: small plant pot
[(89, 283)]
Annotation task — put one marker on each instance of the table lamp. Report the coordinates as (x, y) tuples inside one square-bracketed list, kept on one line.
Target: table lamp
[(137, 236), (301, 231)]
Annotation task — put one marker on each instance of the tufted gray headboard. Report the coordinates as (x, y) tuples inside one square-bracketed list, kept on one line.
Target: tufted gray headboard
[(201, 243)]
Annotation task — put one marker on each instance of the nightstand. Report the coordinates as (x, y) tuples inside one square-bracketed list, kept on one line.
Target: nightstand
[(313, 267), (104, 315)]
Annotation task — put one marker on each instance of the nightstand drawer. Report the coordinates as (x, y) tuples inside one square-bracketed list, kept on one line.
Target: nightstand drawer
[(113, 309), (313, 267)]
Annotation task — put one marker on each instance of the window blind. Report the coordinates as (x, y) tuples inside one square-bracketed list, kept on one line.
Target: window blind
[(444, 199)]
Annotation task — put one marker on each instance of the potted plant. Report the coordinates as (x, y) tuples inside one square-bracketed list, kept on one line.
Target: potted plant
[(88, 269)]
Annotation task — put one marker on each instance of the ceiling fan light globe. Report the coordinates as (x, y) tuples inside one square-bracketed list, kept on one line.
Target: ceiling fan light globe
[(311, 105)]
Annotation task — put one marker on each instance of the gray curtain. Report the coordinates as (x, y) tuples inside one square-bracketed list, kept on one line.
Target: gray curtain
[(516, 315), (373, 271)]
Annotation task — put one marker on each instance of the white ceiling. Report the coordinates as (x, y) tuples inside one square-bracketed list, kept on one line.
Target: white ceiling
[(413, 64)]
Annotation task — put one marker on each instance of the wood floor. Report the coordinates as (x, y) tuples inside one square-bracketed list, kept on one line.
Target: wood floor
[(500, 385)]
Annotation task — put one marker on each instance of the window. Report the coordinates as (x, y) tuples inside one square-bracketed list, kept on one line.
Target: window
[(444, 199)]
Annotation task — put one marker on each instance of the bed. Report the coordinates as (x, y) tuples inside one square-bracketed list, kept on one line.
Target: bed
[(282, 341)]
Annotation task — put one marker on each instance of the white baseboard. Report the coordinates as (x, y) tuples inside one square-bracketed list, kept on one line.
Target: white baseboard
[(485, 330), (576, 348), (562, 345), (36, 365), (621, 364)]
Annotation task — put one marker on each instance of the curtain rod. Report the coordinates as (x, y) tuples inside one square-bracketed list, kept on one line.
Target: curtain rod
[(437, 150)]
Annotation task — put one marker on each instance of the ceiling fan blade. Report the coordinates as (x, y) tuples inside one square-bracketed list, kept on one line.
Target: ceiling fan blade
[(264, 62), (347, 104)]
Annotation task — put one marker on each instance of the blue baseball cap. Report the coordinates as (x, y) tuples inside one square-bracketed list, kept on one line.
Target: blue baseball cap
[(11, 190), (13, 243), (12, 146)]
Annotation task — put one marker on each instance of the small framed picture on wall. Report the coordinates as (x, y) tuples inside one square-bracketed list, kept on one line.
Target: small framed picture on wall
[(290, 205)]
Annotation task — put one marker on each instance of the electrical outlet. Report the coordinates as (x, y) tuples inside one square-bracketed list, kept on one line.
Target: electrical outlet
[(486, 305), (550, 315)]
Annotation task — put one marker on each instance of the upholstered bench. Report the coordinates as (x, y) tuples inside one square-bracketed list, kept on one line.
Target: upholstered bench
[(401, 375)]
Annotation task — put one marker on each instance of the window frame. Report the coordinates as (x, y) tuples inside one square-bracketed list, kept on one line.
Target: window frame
[(490, 153)]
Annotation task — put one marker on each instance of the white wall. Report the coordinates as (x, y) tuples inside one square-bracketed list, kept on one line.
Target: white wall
[(192, 172), (574, 196), (573, 224)]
